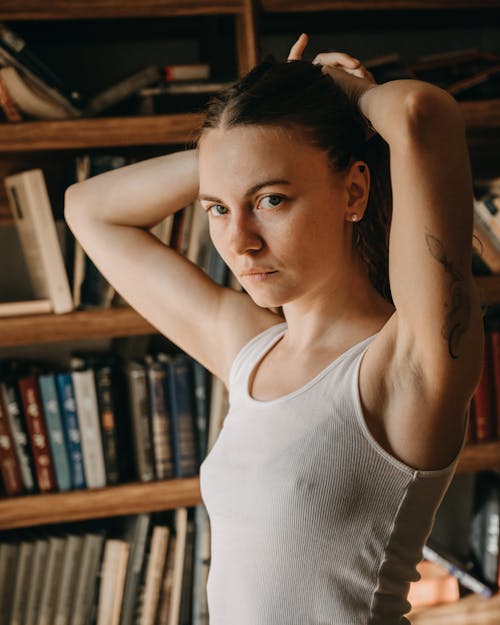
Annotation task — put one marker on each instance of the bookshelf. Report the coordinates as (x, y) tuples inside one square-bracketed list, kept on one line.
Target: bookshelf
[(30, 511)]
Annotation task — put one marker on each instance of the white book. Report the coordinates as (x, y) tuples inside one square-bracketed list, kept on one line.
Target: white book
[(38, 568), (181, 515), (25, 307), (70, 566), (90, 432), (21, 583), (114, 568), (30, 205), (154, 574), (51, 581), (92, 549), (201, 565)]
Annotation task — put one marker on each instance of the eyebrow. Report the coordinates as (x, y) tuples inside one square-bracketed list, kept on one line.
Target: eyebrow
[(253, 189)]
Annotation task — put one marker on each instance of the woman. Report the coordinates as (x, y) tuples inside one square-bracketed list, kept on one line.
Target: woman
[(348, 413)]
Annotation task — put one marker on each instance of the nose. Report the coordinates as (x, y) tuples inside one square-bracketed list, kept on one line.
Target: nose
[(244, 235)]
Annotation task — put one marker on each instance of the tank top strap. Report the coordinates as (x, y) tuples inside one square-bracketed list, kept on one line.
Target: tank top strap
[(250, 353)]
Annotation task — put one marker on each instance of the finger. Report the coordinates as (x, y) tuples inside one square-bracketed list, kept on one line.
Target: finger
[(298, 48), (336, 58)]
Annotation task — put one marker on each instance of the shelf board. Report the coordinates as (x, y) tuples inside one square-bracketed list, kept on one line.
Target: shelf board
[(80, 324), (287, 6), (156, 129), (96, 132), (81, 9), (78, 505), (479, 457)]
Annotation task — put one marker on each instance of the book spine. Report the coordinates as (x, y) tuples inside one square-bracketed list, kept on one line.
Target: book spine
[(19, 432), (183, 416), (9, 464), (104, 388), (10, 109), (71, 428), (139, 412), (87, 573), (495, 353), (484, 397), (21, 584), (69, 571), (463, 577), (37, 433), (50, 402), (160, 421), (35, 586), (88, 421)]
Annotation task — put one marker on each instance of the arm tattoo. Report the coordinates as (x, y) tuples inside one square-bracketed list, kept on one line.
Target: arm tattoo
[(457, 318)]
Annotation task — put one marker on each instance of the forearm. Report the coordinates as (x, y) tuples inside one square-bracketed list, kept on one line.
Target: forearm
[(141, 194), (390, 107)]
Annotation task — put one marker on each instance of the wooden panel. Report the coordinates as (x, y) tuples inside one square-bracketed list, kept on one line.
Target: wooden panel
[(473, 609), (30, 329), (347, 5), (479, 457), (99, 503), (99, 132), (76, 9)]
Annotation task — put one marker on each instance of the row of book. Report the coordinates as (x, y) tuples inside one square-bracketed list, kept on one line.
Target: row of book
[(484, 421), (105, 421), (147, 569), (60, 284), (29, 89)]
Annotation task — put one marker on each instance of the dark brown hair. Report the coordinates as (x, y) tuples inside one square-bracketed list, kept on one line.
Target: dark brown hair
[(298, 96)]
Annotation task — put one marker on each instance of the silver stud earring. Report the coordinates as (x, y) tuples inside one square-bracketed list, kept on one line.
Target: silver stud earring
[(354, 217)]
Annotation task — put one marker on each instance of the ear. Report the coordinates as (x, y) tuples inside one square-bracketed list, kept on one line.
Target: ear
[(358, 187)]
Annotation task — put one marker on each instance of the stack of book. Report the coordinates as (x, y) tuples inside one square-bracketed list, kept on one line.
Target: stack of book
[(80, 428), (149, 569)]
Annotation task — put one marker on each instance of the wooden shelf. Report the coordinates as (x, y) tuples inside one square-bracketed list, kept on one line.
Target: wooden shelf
[(286, 6), (38, 329), (480, 457), (71, 134), (79, 505), (78, 9), (155, 129), (473, 609)]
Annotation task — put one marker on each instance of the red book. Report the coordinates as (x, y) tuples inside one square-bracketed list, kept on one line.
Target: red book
[(484, 397), (495, 357), (9, 462), (37, 433)]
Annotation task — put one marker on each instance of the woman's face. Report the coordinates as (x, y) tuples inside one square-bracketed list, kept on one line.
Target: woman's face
[(278, 214)]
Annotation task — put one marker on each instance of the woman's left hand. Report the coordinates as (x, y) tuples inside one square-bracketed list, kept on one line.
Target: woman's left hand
[(348, 72)]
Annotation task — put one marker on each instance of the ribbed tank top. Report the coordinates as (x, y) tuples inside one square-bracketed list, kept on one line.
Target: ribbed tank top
[(312, 522)]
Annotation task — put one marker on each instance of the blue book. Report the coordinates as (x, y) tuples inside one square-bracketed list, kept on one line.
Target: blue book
[(53, 421), (71, 428), (183, 416)]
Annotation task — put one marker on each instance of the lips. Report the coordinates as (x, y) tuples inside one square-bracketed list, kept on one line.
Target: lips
[(257, 272)]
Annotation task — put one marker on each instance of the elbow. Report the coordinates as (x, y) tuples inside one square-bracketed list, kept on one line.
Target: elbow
[(430, 109)]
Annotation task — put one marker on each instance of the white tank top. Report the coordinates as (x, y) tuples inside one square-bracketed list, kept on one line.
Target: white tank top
[(312, 521)]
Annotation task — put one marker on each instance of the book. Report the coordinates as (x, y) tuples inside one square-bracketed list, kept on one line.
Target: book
[(69, 418), (53, 420), (9, 107), (157, 374), (37, 430), (30, 206), (28, 99), (180, 528), (12, 405), (107, 418), (186, 602), (153, 575), (140, 420), (13, 43), (88, 421), (92, 549), (21, 582), (8, 564), (34, 588), (10, 469), (183, 415), (122, 90), (69, 572), (484, 396), (27, 307), (186, 71), (51, 580), (136, 533), (201, 566), (114, 567), (494, 337)]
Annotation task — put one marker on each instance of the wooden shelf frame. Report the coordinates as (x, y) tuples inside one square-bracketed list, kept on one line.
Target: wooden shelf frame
[(79, 505), (294, 6)]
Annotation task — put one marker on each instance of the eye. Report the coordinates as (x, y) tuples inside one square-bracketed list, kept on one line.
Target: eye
[(216, 209), (272, 201)]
